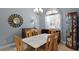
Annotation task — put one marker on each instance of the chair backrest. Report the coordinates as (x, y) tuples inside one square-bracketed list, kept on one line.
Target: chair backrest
[(51, 31), (19, 43), (29, 33), (36, 31), (52, 44)]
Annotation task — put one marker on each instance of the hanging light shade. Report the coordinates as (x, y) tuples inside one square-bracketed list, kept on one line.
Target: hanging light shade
[(41, 10), (38, 10)]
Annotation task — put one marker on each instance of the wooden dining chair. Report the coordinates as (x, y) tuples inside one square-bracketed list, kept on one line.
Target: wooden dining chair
[(51, 31), (50, 43), (36, 32), (19, 44), (29, 33)]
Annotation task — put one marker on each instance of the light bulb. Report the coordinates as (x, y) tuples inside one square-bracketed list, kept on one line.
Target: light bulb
[(41, 10), (38, 10)]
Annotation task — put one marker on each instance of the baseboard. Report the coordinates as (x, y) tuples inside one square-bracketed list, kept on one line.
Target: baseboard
[(6, 46)]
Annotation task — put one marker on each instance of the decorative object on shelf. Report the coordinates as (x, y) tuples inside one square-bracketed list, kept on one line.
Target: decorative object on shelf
[(38, 10), (15, 20)]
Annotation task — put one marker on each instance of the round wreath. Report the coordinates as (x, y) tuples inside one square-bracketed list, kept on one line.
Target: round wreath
[(15, 20)]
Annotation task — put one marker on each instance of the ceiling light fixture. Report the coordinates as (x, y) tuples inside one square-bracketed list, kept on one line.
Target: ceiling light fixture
[(38, 10)]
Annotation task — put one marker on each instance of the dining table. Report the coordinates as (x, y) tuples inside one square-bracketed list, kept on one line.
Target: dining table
[(36, 41)]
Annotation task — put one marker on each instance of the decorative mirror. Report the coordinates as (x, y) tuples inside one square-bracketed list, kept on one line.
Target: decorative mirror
[(15, 20)]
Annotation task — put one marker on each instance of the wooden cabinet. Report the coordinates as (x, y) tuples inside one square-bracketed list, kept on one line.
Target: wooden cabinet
[(72, 37)]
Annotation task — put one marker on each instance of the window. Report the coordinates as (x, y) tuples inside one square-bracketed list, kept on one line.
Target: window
[(53, 20)]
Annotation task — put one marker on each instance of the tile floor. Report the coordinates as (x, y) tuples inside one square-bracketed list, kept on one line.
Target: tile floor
[(62, 47)]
